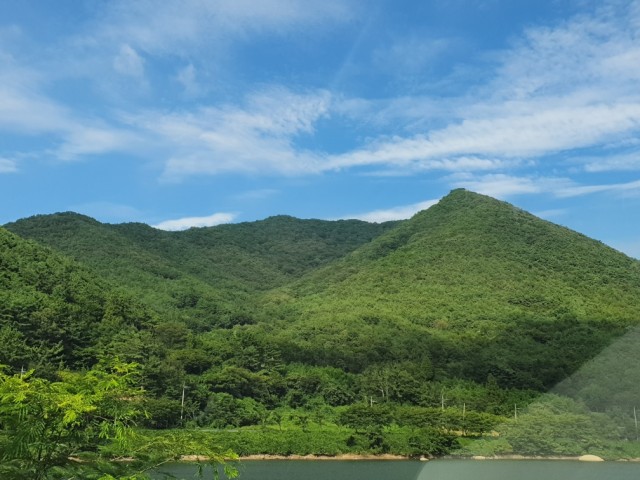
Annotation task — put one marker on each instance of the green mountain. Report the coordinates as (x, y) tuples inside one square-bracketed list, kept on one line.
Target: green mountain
[(471, 288), (204, 276), (403, 333), (471, 279), (54, 310), (470, 258)]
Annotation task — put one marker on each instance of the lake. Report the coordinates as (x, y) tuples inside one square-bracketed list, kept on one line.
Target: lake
[(434, 470)]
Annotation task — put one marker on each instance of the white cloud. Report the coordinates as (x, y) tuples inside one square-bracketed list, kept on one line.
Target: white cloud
[(464, 164), (8, 166), (129, 63), (571, 86), (560, 88), (24, 109), (578, 190), (395, 213), (166, 27), (258, 137), (80, 141), (189, 222), (539, 131), (411, 54), (596, 51), (605, 163), (502, 185), (413, 113)]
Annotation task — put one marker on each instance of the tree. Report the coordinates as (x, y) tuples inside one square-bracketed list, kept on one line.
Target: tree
[(76, 426), (362, 417), (47, 424), (277, 416)]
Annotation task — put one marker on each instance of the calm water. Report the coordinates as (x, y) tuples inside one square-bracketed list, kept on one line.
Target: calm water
[(435, 470)]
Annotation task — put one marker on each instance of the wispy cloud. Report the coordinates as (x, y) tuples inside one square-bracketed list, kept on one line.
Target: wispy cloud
[(128, 62), (26, 110), (535, 130), (8, 165), (23, 108), (628, 161), (559, 88), (124, 41), (257, 137), (395, 213), (187, 77), (572, 86), (81, 140), (159, 27), (189, 222), (578, 190), (410, 54), (503, 186)]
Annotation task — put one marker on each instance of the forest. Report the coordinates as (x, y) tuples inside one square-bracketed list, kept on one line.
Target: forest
[(473, 328)]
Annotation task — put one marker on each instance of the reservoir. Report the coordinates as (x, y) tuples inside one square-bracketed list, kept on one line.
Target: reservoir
[(433, 470)]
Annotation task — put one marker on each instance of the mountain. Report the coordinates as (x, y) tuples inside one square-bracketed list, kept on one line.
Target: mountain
[(205, 276), (471, 288), (471, 257), (53, 310), (471, 279), (451, 321)]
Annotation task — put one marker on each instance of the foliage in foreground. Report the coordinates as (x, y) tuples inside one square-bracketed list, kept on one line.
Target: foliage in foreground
[(82, 426)]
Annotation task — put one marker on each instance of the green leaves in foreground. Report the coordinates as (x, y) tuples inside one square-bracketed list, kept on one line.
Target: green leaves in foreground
[(50, 425), (81, 426)]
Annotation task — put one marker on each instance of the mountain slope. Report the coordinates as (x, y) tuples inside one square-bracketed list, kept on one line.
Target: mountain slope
[(472, 287), (467, 274), (206, 275), (471, 257), (52, 310)]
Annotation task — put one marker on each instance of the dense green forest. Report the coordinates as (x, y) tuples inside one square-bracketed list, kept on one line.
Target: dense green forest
[(473, 320)]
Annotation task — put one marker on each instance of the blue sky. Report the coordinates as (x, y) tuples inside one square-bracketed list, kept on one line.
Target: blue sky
[(199, 112)]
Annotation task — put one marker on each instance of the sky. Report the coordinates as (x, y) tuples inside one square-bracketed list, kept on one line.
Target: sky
[(201, 112)]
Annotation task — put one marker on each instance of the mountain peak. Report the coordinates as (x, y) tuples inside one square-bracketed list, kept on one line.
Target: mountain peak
[(463, 197), (55, 218)]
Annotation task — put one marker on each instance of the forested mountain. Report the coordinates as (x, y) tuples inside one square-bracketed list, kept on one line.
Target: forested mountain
[(204, 276), (473, 305), (473, 287), (471, 258), (54, 311)]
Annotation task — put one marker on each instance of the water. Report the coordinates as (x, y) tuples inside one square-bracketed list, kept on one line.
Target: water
[(434, 470)]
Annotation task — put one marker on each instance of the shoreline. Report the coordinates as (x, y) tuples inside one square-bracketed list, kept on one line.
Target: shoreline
[(393, 457), (344, 456)]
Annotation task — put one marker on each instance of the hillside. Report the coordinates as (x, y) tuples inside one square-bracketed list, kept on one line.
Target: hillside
[(469, 274), (204, 276), (471, 257), (442, 323), (53, 310), (471, 288)]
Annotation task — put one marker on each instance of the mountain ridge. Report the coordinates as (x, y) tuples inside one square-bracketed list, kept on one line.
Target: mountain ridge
[(194, 272), (470, 271), (472, 303)]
